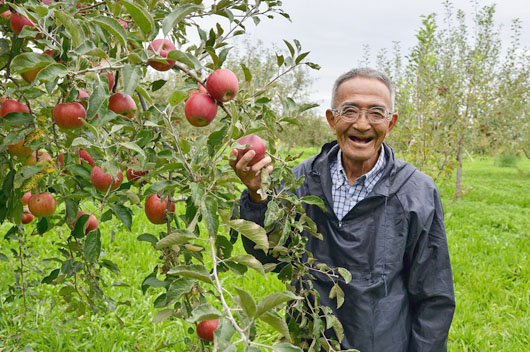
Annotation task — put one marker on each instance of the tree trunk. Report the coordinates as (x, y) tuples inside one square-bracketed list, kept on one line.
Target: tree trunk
[(458, 193)]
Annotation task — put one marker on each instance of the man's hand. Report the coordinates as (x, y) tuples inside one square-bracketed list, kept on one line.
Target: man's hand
[(250, 175)]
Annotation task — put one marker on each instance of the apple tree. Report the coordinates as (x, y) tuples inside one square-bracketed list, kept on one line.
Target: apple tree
[(81, 132)]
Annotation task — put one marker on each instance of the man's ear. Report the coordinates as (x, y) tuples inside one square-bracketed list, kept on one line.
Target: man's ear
[(392, 124), (331, 120)]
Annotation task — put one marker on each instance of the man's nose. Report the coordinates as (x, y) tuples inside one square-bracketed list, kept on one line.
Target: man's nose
[(362, 123)]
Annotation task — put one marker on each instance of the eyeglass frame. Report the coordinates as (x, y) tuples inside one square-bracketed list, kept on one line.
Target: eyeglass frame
[(336, 113)]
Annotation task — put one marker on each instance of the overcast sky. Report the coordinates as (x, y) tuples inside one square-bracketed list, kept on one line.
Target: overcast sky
[(336, 30)]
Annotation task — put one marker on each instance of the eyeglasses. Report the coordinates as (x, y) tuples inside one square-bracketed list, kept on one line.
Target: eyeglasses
[(350, 114)]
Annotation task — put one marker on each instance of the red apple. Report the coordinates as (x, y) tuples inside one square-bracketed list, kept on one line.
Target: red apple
[(222, 85), (200, 110), (42, 204), (83, 154), (200, 89), (122, 104), (255, 143), (82, 98), (27, 217), (110, 79), (17, 22), (156, 210), (47, 2), (206, 328), (69, 115), (11, 105), (103, 181), (162, 47), (133, 175), (32, 160), (5, 14), (91, 224), (19, 149), (25, 198)]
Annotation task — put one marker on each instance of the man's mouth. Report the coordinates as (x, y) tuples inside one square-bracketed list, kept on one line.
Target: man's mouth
[(365, 140)]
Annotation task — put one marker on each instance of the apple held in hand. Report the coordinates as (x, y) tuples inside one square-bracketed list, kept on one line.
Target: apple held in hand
[(69, 115), (200, 110), (254, 143), (17, 22), (42, 204), (122, 104), (162, 47), (91, 224), (222, 85), (206, 328), (156, 210), (102, 181), (11, 105)]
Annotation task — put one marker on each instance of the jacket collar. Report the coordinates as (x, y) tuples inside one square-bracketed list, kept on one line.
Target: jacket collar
[(320, 171)]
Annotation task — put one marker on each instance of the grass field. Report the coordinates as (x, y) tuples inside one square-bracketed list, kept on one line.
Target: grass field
[(489, 239)]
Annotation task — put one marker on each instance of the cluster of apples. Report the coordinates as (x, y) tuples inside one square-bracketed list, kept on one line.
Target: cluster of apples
[(201, 107)]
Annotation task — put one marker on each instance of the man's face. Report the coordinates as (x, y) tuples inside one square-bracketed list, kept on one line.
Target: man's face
[(360, 141)]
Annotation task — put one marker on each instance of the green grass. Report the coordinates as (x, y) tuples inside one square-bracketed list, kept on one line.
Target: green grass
[(488, 233)]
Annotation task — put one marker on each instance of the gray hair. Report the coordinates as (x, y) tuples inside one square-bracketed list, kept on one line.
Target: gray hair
[(366, 73)]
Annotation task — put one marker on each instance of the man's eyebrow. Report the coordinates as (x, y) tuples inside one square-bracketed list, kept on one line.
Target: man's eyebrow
[(357, 105)]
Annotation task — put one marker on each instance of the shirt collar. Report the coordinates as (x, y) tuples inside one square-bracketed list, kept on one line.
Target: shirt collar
[(367, 178)]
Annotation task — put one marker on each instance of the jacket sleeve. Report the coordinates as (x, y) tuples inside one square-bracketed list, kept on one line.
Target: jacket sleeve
[(255, 212), (430, 280)]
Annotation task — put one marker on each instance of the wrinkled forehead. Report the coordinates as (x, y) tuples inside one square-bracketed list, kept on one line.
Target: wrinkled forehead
[(365, 91)]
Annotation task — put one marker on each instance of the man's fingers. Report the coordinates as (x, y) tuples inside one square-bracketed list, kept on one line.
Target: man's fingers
[(261, 164), (242, 164)]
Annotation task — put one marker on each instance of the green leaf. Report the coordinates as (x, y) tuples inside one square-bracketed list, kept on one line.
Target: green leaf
[(79, 228), (178, 237), (290, 47), (204, 312), (97, 98), (185, 58), (209, 213), (133, 146), (277, 322), (314, 200), (154, 282), (247, 302), (93, 246), (113, 26), (252, 231), (301, 57), (273, 300), (346, 275), (336, 292), (162, 315), (52, 72), (26, 61), (156, 85), (246, 71), (279, 60), (71, 25), (194, 271), (286, 347), (132, 74), (123, 213), (250, 261), (141, 16), (177, 96), (215, 139), (175, 17), (147, 237), (179, 287), (16, 119), (4, 257), (339, 330)]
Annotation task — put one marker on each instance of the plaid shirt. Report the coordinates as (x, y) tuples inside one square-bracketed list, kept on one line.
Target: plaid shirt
[(345, 196)]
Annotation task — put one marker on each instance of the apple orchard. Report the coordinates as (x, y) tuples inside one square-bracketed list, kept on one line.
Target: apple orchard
[(83, 142)]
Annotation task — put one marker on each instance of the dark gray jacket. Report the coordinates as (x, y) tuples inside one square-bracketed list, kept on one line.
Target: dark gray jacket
[(394, 244)]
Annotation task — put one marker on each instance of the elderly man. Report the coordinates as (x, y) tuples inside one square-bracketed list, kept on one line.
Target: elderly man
[(384, 223)]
